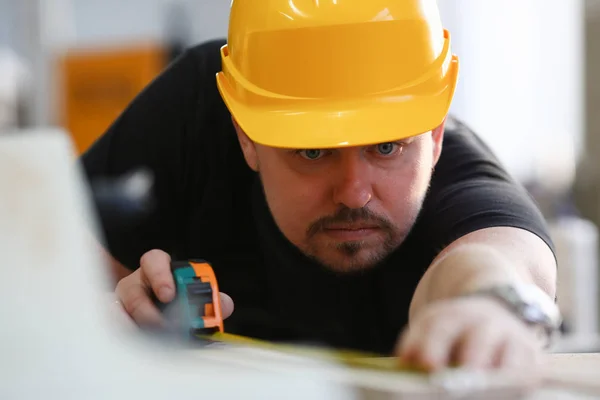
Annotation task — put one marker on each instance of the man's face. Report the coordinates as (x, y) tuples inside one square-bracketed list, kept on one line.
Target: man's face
[(346, 208)]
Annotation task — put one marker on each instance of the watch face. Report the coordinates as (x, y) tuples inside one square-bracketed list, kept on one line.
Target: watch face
[(529, 302), (533, 304), (535, 315)]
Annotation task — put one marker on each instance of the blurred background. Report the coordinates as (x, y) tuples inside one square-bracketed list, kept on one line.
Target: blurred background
[(528, 86)]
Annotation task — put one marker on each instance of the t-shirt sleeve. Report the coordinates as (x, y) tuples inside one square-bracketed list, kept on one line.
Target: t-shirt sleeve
[(471, 190), (153, 133)]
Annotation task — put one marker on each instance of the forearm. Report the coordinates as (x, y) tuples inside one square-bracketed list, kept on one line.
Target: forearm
[(486, 258)]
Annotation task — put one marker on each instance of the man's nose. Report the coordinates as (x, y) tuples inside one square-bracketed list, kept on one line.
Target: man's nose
[(352, 186)]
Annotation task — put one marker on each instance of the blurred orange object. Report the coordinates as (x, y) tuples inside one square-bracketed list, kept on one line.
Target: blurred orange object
[(96, 85)]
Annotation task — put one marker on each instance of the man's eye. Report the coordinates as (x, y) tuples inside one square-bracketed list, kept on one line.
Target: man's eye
[(387, 149), (312, 154)]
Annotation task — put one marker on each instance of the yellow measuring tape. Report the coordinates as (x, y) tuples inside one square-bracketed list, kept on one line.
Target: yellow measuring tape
[(349, 358)]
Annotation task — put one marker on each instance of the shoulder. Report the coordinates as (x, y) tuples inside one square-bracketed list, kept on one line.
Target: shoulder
[(460, 137), (207, 55), (208, 48), (465, 157), (471, 190), (193, 70)]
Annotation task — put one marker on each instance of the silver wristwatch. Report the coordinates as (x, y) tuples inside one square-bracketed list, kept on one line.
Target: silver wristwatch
[(530, 303)]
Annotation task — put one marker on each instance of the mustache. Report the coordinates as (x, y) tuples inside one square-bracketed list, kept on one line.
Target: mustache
[(347, 215)]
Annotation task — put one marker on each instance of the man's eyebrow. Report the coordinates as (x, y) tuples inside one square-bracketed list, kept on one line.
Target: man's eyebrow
[(406, 140)]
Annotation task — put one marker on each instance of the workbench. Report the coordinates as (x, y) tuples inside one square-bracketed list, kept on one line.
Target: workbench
[(566, 376)]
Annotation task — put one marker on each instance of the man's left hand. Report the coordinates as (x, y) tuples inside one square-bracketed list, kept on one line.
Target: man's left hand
[(472, 332)]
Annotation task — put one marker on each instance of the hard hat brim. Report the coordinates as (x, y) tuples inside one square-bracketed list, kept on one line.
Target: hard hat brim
[(343, 123)]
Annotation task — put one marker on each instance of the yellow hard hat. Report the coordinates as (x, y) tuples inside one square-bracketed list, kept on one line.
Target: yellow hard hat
[(331, 73)]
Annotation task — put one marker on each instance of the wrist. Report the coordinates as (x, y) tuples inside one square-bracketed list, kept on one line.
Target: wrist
[(528, 303)]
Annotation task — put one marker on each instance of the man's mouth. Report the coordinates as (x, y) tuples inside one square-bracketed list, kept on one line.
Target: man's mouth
[(351, 232), (351, 227)]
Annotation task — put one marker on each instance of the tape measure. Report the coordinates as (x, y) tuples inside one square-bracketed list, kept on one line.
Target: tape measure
[(199, 316), (349, 358), (196, 309)]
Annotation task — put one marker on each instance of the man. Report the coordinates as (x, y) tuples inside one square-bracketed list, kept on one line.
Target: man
[(337, 202)]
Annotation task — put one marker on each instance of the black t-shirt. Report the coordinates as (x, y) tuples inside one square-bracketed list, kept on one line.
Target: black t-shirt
[(210, 205)]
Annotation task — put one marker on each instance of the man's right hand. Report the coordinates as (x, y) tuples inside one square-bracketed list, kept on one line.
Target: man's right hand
[(153, 276)]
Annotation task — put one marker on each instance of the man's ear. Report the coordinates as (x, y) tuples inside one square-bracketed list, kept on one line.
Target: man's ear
[(438, 139), (248, 147)]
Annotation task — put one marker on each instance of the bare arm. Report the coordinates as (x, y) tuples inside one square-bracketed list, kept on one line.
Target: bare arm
[(477, 332), (486, 257)]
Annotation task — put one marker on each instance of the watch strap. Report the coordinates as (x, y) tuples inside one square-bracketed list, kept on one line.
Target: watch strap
[(530, 304)]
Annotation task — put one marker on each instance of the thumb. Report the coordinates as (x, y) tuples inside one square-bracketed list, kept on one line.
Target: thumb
[(226, 305)]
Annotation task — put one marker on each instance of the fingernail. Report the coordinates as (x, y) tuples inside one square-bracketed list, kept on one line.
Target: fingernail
[(165, 293)]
